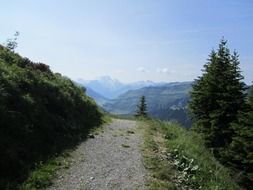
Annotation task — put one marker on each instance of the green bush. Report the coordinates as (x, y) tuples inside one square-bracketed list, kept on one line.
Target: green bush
[(41, 113)]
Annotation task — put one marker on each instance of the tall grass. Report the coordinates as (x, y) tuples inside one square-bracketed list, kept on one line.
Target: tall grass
[(196, 166)]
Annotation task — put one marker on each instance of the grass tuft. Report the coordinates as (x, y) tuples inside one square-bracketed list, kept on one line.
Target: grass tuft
[(44, 173)]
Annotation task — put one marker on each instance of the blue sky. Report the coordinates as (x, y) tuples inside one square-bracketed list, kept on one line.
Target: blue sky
[(131, 40)]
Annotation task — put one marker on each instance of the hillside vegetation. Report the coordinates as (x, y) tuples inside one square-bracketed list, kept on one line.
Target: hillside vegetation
[(41, 113), (178, 159)]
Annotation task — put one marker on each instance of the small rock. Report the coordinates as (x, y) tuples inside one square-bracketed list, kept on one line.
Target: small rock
[(130, 132), (91, 136), (91, 178)]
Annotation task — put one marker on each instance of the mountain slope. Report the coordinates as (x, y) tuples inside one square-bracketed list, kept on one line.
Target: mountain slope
[(100, 100), (105, 86), (112, 88), (166, 102)]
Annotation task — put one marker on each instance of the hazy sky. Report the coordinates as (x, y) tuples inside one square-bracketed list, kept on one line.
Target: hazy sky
[(131, 40)]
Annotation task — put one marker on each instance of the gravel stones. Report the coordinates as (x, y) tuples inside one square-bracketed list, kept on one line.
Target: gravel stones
[(106, 164)]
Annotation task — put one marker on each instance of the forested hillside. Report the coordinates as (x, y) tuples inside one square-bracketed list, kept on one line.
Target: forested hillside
[(41, 113), (167, 102)]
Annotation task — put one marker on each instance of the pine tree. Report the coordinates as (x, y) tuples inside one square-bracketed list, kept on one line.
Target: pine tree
[(251, 97), (217, 96), (142, 108), (240, 151)]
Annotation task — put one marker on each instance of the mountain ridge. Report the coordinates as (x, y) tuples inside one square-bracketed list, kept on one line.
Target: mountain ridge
[(112, 88), (100, 99), (167, 102)]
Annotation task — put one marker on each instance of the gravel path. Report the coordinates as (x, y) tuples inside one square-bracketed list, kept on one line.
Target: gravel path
[(111, 160)]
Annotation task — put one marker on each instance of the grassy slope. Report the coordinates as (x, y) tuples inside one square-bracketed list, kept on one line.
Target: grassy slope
[(178, 159)]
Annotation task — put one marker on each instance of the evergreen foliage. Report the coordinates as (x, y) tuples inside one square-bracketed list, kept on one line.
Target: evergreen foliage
[(240, 152), (142, 108), (41, 113), (222, 115), (217, 96)]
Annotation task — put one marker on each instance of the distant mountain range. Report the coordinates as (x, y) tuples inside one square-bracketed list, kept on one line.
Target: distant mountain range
[(166, 101), (100, 99), (112, 88)]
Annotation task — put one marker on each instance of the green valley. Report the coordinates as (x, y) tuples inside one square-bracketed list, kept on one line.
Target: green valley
[(167, 102)]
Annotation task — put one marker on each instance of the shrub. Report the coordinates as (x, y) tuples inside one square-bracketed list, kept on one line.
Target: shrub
[(41, 113)]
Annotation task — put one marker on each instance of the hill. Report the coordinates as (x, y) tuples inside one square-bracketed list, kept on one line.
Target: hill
[(41, 114), (167, 102), (100, 100)]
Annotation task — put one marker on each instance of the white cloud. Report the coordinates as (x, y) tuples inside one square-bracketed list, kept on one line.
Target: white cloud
[(164, 71), (142, 69)]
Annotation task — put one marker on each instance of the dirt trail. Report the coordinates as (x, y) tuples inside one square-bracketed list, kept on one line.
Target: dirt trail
[(111, 160)]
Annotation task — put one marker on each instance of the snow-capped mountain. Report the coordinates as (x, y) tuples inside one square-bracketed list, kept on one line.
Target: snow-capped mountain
[(112, 88)]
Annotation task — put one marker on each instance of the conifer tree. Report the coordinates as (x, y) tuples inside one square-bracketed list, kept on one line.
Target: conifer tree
[(142, 108), (217, 96), (240, 151)]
